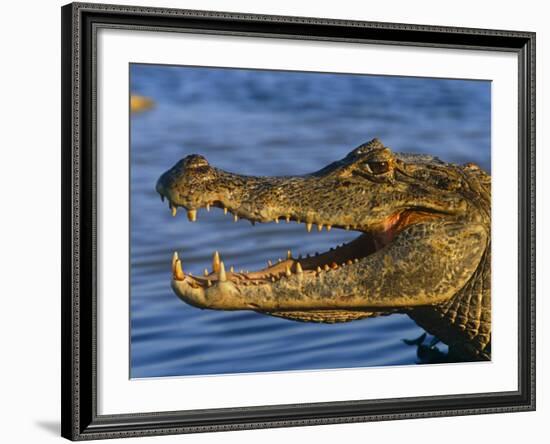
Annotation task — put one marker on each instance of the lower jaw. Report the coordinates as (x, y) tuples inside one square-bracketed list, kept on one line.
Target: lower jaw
[(346, 254), (364, 245), (342, 256)]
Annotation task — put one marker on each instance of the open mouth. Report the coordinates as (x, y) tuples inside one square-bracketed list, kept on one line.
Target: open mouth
[(340, 257)]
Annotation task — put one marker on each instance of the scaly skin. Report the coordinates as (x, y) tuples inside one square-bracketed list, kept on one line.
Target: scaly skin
[(424, 248)]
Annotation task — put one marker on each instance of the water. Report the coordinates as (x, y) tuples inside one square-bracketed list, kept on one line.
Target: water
[(270, 123)]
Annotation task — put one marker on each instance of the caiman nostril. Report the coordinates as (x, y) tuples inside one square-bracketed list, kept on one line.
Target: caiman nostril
[(195, 161)]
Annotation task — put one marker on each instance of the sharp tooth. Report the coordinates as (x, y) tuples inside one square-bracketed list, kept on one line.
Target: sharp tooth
[(326, 267), (279, 260), (287, 271), (178, 271), (272, 278), (349, 262), (269, 263), (174, 259), (356, 260), (318, 270), (222, 276), (347, 227), (299, 268), (190, 274), (192, 215), (174, 210), (232, 269), (216, 262), (235, 218), (308, 227), (329, 227), (206, 272), (224, 210), (319, 227), (207, 207), (289, 254), (209, 282), (276, 220), (287, 218), (334, 265)]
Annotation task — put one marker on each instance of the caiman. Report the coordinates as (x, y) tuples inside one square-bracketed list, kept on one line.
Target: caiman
[(424, 247)]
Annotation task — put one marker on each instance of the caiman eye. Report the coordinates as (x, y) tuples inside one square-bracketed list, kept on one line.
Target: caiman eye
[(378, 167)]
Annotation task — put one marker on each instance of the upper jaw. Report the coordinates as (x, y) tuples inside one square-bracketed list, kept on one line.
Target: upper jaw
[(225, 288), (381, 221), (255, 211), (256, 201)]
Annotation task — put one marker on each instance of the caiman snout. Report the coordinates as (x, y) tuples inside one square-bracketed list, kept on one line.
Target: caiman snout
[(186, 183)]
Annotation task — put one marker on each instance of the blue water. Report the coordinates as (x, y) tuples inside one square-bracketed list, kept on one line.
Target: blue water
[(270, 123)]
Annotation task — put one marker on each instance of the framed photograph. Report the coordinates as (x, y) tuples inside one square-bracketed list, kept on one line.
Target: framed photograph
[(281, 221)]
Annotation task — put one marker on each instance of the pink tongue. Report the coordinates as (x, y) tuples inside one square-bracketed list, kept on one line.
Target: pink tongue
[(390, 231)]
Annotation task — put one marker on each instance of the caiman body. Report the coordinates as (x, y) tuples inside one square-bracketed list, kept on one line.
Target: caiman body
[(424, 247)]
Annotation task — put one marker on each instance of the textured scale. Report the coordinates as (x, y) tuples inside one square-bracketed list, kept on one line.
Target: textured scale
[(464, 322)]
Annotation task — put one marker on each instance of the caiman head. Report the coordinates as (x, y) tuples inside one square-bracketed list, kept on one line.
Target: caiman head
[(423, 230)]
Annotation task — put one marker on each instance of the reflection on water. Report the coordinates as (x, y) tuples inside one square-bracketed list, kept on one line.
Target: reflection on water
[(270, 123)]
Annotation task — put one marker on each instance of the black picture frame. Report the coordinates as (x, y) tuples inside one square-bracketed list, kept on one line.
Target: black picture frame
[(80, 22)]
